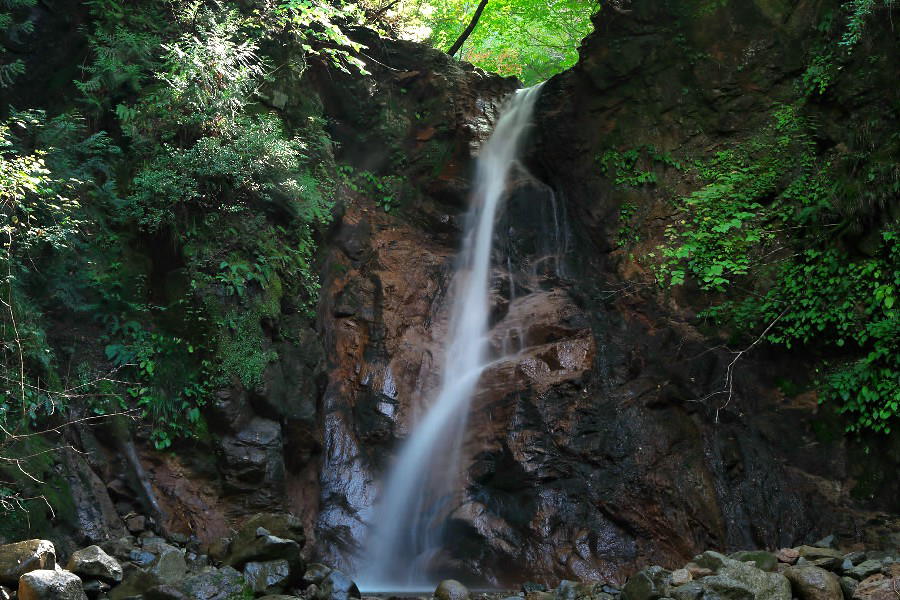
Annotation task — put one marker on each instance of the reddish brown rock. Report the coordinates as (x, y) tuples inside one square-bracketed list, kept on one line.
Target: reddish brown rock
[(877, 587), (788, 555)]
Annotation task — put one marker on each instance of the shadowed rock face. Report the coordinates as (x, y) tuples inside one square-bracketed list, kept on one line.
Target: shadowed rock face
[(590, 451)]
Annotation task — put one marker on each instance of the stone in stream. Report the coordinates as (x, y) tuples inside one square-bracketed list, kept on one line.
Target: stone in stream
[(44, 584), (22, 557), (94, 562), (813, 583), (450, 589)]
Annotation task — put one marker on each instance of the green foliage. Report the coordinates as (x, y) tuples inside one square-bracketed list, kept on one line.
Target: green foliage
[(859, 11), (13, 24), (821, 297), (385, 190), (734, 213), (839, 38), (316, 24), (166, 387), (768, 211), (628, 234), (632, 167), (251, 165), (531, 40)]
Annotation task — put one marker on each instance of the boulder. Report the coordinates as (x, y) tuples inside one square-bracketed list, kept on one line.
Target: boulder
[(877, 587), (680, 577), (164, 592), (120, 548), (281, 525), (574, 590), (94, 562), (688, 591), (855, 557), (136, 523), (95, 587), (814, 583), (136, 582), (708, 560), (735, 580), (649, 584), (848, 586), (763, 560), (170, 566), (22, 557), (44, 584), (252, 462), (268, 577), (450, 589), (141, 558), (315, 573), (263, 546), (215, 584), (815, 552), (337, 586), (864, 569)]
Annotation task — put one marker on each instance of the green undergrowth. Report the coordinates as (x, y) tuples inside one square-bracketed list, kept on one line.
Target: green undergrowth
[(156, 231), (772, 235)]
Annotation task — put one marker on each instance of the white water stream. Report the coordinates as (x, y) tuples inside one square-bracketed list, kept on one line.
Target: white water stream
[(421, 490)]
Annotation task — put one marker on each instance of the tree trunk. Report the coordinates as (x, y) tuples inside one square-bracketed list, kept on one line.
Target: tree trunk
[(468, 30)]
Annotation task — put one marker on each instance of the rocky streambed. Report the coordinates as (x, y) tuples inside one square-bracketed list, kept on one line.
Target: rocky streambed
[(266, 559)]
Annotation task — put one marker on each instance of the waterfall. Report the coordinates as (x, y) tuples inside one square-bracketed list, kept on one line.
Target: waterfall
[(407, 528)]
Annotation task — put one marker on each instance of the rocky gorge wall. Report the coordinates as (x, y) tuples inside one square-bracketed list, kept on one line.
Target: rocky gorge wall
[(592, 451), (591, 455)]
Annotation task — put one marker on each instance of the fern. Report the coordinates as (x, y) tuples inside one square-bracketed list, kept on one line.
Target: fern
[(13, 29)]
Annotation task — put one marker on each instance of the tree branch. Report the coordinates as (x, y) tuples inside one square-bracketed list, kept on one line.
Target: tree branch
[(468, 30)]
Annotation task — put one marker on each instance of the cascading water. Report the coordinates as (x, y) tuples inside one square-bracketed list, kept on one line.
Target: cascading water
[(407, 529)]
